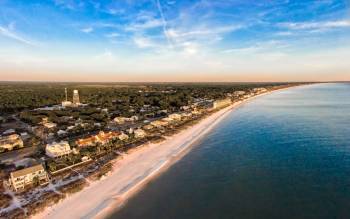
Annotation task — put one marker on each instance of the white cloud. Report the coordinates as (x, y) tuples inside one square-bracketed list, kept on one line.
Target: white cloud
[(106, 57), (87, 30), (190, 48), (112, 35), (143, 42), (203, 32), (148, 24), (316, 25), (9, 33)]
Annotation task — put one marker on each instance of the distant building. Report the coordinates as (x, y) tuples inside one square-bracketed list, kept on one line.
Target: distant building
[(119, 120), (139, 133), (11, 141), (122, 120), (148, 127), (159, 123), (50, 125), (238, 93), (105, 137), (86, 142), (76, 100), (175, 116), (221, 103), (58, 149), (21, 178), (259, 90), (101, 137), (123, 136), (45, 122)]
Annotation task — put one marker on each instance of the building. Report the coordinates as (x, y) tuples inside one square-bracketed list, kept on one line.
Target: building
[(50, 125), (45, 122), (105, 137), (76, 100), (139, 133), (86, 142), (159, 123), (259, 90), (238, 93), (175, 116), (9, 142), (221, 103), (119, 120), (58, 149), (123, 136), (148, 127), (101, 137), (35, 175)]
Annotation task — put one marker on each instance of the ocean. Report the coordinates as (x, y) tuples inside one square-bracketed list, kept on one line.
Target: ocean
[(282, 155)]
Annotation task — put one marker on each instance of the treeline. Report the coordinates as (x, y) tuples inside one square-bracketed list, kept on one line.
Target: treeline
[(15, 97)]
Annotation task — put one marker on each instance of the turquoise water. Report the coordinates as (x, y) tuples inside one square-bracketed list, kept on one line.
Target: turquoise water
[(283, 155)]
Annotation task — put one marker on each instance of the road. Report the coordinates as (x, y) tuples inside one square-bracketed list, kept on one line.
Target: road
[(13, 156)]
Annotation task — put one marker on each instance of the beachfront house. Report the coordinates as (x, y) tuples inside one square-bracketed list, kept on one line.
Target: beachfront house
[(101, 137), (35, 175), (159, 123), (60, 149), (86, 142), (175, 116), (139, 133), (123, 136), (9, 142), (105, 137), (259, 90), (217, 104)]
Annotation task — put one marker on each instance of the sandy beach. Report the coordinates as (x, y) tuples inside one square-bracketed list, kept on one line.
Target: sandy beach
[(131, 172)]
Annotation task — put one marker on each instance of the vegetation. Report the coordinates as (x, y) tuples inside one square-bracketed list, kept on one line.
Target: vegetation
[(18, 96)]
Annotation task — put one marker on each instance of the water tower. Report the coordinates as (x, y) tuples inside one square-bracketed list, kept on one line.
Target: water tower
[(76, 100)]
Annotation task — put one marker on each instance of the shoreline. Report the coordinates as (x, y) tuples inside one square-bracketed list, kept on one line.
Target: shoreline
[(132, 171)]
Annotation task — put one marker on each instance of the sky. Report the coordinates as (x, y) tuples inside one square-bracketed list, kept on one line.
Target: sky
[(175, 40)]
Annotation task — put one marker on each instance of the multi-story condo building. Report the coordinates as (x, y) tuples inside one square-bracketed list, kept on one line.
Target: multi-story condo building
[(58, 149), (35, 175)]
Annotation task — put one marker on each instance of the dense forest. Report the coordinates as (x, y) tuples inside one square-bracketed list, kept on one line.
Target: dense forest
[(16, 96)]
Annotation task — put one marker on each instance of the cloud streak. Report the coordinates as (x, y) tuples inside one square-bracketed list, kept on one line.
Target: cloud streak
[(316, 25), (12, 35), (165, 25)]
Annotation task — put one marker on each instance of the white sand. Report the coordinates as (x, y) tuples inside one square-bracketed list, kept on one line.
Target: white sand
[(130, 174)]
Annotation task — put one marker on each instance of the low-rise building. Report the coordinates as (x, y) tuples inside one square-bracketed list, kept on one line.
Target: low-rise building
[(175, 116), (238, 93), (119, 120), (101, 137), (221, 103), (28, 176), (148, 127), (123, 136), (50, 125), (11, 141), (259, 90), (139, 133), (122, 120), (105, 137), (159, 123), (86, 142), (58, 149)]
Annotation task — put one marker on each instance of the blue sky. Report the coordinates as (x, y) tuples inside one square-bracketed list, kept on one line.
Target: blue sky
[(174, 40)]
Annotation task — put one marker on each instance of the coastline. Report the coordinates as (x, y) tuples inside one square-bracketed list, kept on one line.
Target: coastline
[(132, 171)]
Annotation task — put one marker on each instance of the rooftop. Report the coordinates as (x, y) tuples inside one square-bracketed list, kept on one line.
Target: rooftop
[(26, 171)]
